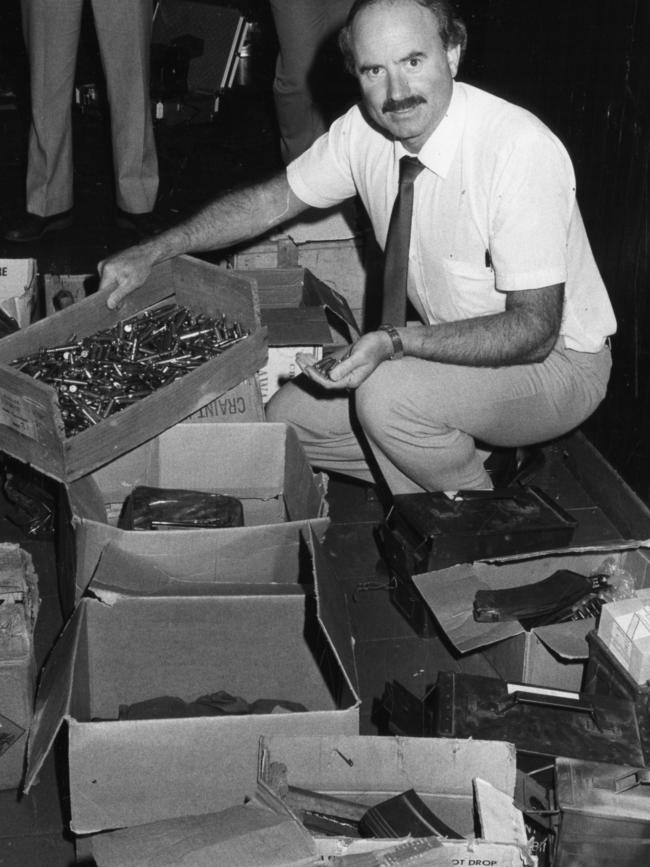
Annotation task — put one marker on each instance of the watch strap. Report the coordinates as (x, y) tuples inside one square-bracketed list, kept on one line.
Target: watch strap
[(396, 340)]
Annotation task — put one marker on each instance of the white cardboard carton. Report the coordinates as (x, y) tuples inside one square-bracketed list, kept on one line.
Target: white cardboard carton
[(18, 289), (118, 649), (625, 629)]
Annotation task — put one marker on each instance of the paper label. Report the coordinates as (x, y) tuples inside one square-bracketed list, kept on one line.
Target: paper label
[(17, 414)]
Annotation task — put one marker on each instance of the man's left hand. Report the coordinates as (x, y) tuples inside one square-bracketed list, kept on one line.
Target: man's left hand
[(354, 366)]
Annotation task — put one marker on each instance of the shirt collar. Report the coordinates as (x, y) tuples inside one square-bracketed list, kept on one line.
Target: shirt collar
[(438, 150)]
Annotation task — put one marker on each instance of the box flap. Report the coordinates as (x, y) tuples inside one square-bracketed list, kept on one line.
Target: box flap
[(285, 289), (202, 571), (389, 765), (450, 596), (567, 640), (500, 820), (54, 695), (245, 835), (305, 326), (609, 547), (333, 612)]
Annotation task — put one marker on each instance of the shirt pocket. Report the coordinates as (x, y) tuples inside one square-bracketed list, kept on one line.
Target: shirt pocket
[(469, 291)]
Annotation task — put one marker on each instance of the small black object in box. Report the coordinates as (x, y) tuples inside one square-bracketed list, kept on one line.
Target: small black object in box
[(430, 531), (148, 508), (604, 814), (539, 721)]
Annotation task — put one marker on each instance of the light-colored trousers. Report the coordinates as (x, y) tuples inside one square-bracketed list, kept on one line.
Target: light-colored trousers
[(52, 29), (421, 419)]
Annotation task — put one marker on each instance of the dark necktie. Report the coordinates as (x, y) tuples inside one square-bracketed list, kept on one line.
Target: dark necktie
[(396, 254)]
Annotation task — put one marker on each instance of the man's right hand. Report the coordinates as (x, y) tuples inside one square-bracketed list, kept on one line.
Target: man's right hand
[(124, 272)]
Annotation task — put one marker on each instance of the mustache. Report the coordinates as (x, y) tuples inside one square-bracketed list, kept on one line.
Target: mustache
[(402, 104)]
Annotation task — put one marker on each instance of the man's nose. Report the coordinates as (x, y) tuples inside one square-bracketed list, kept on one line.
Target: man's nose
[(397, 85)]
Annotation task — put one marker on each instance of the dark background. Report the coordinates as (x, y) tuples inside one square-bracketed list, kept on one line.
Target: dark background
[(581, 65)]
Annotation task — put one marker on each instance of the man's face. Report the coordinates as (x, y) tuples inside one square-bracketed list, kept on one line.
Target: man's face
[(405, 73)]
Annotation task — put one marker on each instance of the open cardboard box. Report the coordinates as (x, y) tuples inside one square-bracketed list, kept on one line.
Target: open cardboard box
[(31, 425), (548, 656), (302, 314), (266, 832), (460, 780), (264, 465), (119, 649)]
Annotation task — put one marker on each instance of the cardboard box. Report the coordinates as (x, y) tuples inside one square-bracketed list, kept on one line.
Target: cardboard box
[(624, 627), (302, 314), (264, 465), (249, 835), (18, 289), (119, 649), (453, 778), (31, 425), (341, 263), (548, 656), (243, 403), (19, 602)]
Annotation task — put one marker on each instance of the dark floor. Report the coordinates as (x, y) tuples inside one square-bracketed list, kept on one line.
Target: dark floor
[(197, 160)]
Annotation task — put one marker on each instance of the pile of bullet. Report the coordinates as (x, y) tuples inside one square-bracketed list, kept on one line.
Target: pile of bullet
[(100, 375)]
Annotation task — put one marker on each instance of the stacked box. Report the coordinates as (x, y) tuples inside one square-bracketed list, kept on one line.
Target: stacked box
[(31, 424), (18, 611), (302, 314)]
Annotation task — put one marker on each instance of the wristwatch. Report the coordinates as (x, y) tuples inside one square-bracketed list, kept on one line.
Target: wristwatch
[(396, 340)]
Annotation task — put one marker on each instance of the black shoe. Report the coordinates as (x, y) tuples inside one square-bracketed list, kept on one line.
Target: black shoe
[(33, 227), (144, 225), (508, 467)]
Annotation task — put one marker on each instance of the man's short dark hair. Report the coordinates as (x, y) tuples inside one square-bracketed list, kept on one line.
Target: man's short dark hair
[(450, 26)]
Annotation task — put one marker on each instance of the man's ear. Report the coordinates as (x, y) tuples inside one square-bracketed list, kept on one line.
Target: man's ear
[(453, 59)]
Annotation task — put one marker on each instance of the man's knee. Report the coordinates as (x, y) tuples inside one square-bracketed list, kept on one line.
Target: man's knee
[(280, 406), (375, 403)]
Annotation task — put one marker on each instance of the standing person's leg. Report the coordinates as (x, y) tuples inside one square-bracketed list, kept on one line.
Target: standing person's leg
[(124, 36), (421, 418), (299, 27), (51, 29), (302, 26)]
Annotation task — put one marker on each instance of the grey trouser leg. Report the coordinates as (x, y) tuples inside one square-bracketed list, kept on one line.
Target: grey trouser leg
[(421, 418), (124, 36), (52, 29)]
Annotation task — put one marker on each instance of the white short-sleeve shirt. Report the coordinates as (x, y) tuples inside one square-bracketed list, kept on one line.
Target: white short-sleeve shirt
[(495, 210)]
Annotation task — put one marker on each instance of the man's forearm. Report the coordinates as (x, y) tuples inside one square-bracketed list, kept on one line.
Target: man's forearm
[(523, 334), (235, 217)]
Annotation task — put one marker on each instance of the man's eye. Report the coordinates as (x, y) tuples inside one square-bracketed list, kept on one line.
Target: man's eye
[(414, 62), (373, 71)]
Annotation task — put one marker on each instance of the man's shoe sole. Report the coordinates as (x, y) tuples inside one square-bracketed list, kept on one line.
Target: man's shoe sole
[(55, 226)]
